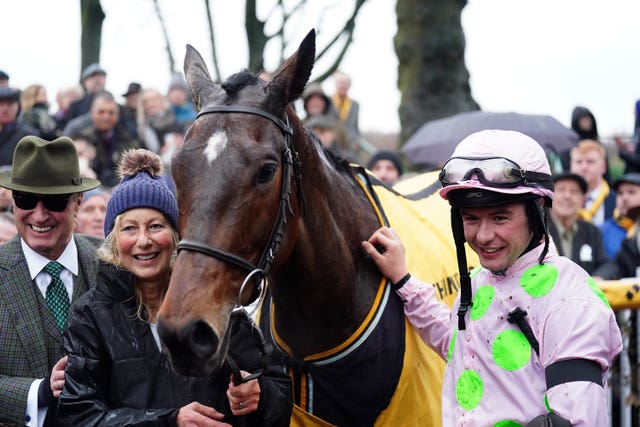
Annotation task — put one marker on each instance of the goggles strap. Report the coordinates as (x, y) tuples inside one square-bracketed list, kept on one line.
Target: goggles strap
[(465, 279)]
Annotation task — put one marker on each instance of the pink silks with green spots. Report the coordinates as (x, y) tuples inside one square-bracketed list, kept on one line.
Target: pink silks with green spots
[(493, 377)]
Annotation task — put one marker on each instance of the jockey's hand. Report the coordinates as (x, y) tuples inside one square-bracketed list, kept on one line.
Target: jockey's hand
[(244, 397), (386, 249), (198, 415)]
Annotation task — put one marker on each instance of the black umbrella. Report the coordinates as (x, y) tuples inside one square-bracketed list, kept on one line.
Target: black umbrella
[(435, 141)]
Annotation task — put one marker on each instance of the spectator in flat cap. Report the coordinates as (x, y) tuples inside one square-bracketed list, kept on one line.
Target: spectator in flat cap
[(622, 224), (574, 238), (93, 80), (11, 130), (129, 111), (386, 166), (4, 79), (627, 259)]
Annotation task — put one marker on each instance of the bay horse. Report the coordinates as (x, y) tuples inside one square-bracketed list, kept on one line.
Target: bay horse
[(260, 199)]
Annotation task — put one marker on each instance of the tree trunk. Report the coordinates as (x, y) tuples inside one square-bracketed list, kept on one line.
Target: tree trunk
[(432, 75), (256, 38), (91, 15)]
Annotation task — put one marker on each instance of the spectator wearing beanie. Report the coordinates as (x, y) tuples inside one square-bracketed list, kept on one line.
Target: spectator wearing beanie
[(386, 166), (141, 186)]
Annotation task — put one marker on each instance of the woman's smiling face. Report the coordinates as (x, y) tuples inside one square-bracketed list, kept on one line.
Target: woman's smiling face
[(145, 244)]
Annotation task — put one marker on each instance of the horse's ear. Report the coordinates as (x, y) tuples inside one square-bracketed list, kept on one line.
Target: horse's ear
[(290, 79), (195, 70)]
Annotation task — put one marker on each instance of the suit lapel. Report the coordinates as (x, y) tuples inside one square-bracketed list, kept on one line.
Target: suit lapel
[(88, 267)]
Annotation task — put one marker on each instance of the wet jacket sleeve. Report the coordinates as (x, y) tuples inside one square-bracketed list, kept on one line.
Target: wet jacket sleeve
[(274, 409), (427, 314), (83, 401), (248, 349)]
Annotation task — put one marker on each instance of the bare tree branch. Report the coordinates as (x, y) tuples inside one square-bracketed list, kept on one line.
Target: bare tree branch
[(165, 34), (347, 30), (213, 41)]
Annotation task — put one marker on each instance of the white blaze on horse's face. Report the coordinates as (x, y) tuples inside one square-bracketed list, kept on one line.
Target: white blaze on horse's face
[(215, 145)]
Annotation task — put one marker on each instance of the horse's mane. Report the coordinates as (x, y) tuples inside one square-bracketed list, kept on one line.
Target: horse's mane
[(237, 81)]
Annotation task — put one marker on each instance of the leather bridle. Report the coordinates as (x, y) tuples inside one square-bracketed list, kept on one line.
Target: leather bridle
[(290, 163)]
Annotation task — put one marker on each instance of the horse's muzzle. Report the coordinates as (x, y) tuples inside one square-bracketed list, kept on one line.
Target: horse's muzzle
[(192, 347)]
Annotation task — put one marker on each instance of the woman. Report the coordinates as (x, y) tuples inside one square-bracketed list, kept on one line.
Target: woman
[(34, 107), (116, 373)]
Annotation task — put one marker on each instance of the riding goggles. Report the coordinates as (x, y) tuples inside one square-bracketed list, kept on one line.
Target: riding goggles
[(493, 172), (28, 201)]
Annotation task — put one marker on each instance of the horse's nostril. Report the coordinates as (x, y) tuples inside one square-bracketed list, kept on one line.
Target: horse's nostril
[(202, 339)]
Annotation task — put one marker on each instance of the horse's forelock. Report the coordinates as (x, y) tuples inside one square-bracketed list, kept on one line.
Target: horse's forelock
[(237, 81)]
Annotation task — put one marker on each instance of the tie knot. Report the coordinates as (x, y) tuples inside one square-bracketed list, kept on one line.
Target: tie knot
[(53, 268)]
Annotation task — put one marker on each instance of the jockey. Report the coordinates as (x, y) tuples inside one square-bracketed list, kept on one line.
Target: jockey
[(530, 338)]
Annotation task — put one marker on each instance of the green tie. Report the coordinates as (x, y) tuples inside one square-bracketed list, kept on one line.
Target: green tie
[(57, 298)]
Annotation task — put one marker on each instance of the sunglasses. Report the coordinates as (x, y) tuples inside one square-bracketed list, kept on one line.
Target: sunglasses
[(28, 201), (492, 171)]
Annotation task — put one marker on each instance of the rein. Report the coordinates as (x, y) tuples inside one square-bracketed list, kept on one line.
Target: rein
[(290, 162)]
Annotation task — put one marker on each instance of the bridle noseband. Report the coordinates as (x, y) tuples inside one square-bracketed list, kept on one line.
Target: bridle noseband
[(290, 162)]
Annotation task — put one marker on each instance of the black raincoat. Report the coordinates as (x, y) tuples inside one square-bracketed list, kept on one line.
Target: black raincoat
[(116, 376)]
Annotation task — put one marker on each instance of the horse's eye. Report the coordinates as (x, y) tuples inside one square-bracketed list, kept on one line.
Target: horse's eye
[(267, 172)]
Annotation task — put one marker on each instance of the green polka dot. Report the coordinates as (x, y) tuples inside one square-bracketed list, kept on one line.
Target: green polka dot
[(475, 271), (596, 290), (539, 280), (469, 390), (511, 350), (507, 423), (481, 301), (452, 345)]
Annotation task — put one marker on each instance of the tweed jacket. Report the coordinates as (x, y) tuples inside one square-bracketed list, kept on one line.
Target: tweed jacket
[(587, 245), (30, 341)]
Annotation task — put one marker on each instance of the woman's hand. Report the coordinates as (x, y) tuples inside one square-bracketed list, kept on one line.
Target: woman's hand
[(244, 398), (56, 380), (198, 415), (386, 249)]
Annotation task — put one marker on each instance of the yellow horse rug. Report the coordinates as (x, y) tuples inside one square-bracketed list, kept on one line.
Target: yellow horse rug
[(406, 385)]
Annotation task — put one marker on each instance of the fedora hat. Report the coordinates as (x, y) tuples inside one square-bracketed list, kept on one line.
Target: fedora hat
[(46, 167)]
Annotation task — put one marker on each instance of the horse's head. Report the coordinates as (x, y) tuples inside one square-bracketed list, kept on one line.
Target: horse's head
[(237, 192)]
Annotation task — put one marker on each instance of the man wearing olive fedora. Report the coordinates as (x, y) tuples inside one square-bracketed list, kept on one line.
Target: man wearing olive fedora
[(42, 271)]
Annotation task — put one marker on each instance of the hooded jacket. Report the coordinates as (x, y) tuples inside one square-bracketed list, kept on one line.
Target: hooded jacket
[(116, 376)]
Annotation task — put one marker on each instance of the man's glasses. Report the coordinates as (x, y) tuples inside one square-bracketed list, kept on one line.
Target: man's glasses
[(492, 171), (28, 201)]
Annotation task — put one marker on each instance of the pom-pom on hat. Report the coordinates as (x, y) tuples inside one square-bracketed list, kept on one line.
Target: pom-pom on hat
[(141, 187)]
